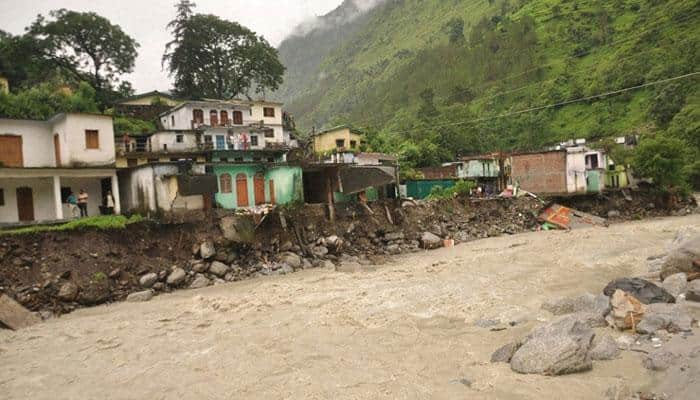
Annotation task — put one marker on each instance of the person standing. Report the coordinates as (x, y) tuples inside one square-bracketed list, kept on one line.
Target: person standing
[(72, 204), (109, 202), (83, 203)]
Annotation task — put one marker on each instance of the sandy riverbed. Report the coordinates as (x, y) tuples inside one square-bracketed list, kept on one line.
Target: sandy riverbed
[(398, 331)]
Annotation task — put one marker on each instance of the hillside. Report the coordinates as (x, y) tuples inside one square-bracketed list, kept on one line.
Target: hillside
[(427, 77)]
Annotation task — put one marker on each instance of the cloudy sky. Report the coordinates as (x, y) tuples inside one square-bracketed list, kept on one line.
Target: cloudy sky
[(145, 21)]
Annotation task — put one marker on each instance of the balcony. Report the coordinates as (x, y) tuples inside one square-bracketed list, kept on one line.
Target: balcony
[(123, 149)]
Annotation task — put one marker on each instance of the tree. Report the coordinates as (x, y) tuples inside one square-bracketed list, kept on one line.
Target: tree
[(211, 57), (86, 45), (455, 30), (662, 159), (20, 63)]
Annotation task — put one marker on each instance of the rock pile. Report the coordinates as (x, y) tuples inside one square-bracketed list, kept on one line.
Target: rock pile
[(570, 343)]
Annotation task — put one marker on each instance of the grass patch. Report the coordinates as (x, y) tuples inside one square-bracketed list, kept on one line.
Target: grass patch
[(103, 222)]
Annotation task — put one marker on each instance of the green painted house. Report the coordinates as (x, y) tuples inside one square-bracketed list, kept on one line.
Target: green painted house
[(247, 185)]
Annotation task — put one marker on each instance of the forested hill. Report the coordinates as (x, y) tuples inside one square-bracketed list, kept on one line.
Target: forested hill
[(427, 78)]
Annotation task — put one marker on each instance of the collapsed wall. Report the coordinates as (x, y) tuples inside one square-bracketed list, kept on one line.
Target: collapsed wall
[(61, 271)]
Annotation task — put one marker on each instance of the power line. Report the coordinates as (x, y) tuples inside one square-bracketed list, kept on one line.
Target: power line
[(492, 83), (559, 104)]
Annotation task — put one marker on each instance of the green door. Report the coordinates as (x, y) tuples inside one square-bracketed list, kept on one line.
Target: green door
[(593, 178)]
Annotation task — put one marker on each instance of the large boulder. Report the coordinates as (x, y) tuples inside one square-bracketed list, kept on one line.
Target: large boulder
[(626, 311), (207, 250), (218, 268), (430, 240), (643, 290), (585, 302), (505, 352), (693, 291), (558, 348), (145, 295), (176, 277), (676, 284), (671, 317), (68, 291), (291, 259), (681, 258), (148, 280), (604, 348), (238, 228), (199, 282)]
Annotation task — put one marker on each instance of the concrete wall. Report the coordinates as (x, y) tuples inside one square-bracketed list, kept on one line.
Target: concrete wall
[(288, 183), (158, 139), (155, 188), (540, 172), (42, 193), (37, 141), (575, 171), (479, 169), (326, 141), (71, 129)]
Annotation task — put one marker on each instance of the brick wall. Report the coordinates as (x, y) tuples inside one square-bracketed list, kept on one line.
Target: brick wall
[(540, 172), (447, 172)]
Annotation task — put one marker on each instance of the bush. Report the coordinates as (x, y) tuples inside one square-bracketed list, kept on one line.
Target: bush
[(663, 160)]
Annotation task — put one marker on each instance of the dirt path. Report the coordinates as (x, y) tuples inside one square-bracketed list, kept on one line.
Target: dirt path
[(402, 331)]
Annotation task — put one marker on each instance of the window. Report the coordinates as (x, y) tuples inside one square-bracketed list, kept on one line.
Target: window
[(198, 116), (92, 139), (224, 118), (238, 118), (269, 112), (225, 183), (340, 143), (2, 197), (165, 147), (592, 161), (253, 140), (269, 133), (213, 118), (172, 121), (179, 138), (353, 144)]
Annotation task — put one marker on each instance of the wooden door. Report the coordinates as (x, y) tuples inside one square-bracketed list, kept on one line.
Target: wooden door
[(57, 149), (11, 151), (242, 190), (273, 199), (259, 182), (25, 204), (238, 118)]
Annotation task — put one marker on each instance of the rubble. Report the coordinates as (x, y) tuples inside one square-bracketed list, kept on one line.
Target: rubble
[(626, 311), (671, 317), (176, 277), (604, 348), (676, 284), (643, 290), (148, 280), (586, 302), (659, 360), (558, 348)]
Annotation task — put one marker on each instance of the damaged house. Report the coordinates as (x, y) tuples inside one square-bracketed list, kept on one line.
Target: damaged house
[(42, 162)]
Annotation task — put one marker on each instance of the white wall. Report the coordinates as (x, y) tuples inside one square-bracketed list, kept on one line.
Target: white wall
[(74, 153), (153, 188), (189, 141), (575, 171), (42, 194), (37, 141)]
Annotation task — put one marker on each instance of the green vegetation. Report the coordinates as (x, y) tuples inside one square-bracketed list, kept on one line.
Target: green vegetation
[(215, 58), (103, 222), (460, 189), (45, 100), (133, 126), (421, 91)]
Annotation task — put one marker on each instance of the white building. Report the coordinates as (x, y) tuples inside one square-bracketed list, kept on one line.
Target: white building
[(41, 162), (226, 125)]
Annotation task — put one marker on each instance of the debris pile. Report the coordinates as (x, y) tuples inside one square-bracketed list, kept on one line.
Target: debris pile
[(650, 314)]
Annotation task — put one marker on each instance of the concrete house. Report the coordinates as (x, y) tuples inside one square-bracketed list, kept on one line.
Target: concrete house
[(228, 125), (41, 162), (339, 139)]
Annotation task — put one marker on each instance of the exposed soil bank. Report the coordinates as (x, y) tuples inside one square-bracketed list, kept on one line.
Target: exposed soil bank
[(402, 330), (105, 266)]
